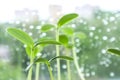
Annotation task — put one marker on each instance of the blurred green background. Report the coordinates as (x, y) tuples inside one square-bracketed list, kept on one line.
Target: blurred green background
[(101, 32)]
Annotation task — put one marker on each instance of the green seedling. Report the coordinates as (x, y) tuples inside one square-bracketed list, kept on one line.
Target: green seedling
[(71, 34), (44, 42), (76, 61), (64, 40), (47, 62), (31, 48), (44, 28), (61, 22)]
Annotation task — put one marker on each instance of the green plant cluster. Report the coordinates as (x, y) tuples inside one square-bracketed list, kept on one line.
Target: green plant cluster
[(33, 48), (100, 33)]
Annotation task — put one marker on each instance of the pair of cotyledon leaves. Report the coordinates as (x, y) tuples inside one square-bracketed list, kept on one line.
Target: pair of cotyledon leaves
[(62, 21), (68, 31)]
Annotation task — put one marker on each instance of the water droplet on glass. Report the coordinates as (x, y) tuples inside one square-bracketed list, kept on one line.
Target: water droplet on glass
[(112, 19), (108, 30), (39, 54), (81, 21), (17, 49), (92, 28), (112, 74), (112, 39), (64, 66), (103, 51), (91, 34), (117, 15), (30, 33), (84, 22), (31, 26), (92, 73), (104, 37), (43, 35), (17, 22), (73, 25), (99, 30), (43, 22), (24, 46), (51, 20), (77, 40), (105, 22), (96, 37), (38, 27), (87, 74), (23, 25)]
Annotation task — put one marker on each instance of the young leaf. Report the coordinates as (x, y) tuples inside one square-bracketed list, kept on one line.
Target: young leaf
[(47, 42), (44, 39), (63, 39), (46, 27), (66, 18), (21, 36), (80, 35), (35, 51), (61, 57), (114, 51), (68, 31), (70, 46), (40, 60), (28, 50)]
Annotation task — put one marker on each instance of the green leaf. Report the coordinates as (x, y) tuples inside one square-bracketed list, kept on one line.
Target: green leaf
[(40, 60), (68, 31), (21, 36), (61, 57), (80, 35), (35, 51), (44, 39), (43, 60), (114, 51), (28, 50), (47, 42), (46, 27), (63, 39), (70, 46), (66, 18)]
